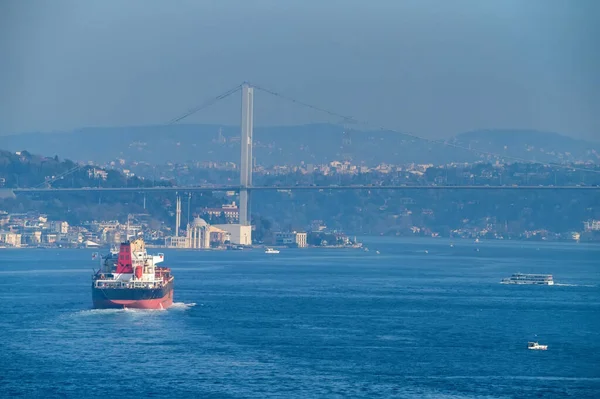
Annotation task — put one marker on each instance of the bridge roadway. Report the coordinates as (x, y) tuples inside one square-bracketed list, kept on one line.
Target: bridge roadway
[(285, 188)]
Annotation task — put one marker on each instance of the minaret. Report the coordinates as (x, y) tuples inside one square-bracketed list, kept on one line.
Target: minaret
[(189, 202), (177, 216)]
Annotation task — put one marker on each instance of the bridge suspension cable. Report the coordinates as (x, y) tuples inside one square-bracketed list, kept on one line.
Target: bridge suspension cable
[(354, 120), (205, 104), (188, 113), (60, 176)]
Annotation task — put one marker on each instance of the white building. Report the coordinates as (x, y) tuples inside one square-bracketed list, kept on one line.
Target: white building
[(231, 212), (294, 238), (177, 242), (592, 225), (238, 234), (199, 235), (10, 239), (74, 237), (301, 240), (59, 227)]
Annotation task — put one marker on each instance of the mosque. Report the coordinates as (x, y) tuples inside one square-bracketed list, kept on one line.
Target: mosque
[(201, 235)]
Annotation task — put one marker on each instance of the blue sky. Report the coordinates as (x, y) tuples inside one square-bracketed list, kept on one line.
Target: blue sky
[(433, 68)]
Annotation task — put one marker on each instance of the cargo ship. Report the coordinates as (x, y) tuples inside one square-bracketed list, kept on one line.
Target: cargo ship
[(532, 279), (130, 278)]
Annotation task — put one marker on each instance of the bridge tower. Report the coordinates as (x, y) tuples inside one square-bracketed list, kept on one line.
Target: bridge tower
[(246, 160)]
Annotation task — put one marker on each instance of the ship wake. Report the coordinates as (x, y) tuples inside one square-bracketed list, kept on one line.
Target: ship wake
[(182, 306), (574, 285), (104, 312), (98, 312)]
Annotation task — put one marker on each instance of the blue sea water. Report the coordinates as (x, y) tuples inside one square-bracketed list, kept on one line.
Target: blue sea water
[(313, 323)]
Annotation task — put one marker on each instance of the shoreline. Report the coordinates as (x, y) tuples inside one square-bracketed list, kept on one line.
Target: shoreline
[(367, 239)]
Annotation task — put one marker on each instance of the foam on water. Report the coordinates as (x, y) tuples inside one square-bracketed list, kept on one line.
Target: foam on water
[(105, 312), (182, 306), (574, 285), (95, 312)]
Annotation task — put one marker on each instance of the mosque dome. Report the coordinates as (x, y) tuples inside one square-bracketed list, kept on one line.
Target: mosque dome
[(198, 222)]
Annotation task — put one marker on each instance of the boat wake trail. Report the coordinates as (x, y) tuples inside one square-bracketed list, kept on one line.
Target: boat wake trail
[(182, 306), (100, 312), (574, 285), (105, 312)]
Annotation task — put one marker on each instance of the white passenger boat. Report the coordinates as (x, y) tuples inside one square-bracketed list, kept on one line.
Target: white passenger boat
[(536, 279), (536, 347), (271, 251)]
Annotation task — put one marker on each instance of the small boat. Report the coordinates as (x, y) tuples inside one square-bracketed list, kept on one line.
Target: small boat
[(536, 347), (532, 279), (271, 251)]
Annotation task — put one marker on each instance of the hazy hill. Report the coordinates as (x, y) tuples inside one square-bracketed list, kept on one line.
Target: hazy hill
[(29, 170), (316, 143), (531, 145)]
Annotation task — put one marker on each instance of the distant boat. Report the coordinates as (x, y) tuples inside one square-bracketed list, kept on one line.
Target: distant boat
[(536, 347), (377, 252), (477, 240), (271, 251), (531, 279)]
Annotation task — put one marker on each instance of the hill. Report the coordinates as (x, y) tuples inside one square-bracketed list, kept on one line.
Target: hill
[(24, 169), (531, 145), (311, 144)]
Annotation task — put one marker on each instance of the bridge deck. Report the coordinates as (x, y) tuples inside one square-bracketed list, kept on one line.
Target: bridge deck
[(286, 188)]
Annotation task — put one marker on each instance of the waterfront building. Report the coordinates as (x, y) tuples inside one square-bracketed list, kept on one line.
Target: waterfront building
[(238, 234), (592, 225), (10, 239), (230, 211), (293, 238)]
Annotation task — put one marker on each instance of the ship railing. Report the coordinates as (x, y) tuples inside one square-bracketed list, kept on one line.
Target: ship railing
[(127, 284)]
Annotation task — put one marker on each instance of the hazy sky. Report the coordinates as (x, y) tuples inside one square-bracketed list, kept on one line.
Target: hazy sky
[(434, 68)]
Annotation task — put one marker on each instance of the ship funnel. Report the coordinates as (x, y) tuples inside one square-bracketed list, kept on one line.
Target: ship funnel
[(124, 263)]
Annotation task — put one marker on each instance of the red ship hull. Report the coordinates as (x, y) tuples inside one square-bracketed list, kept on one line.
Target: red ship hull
[(143, 298), (161, 303)]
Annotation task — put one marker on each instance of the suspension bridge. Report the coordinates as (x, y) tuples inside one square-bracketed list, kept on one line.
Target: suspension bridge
[(245, 187)]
